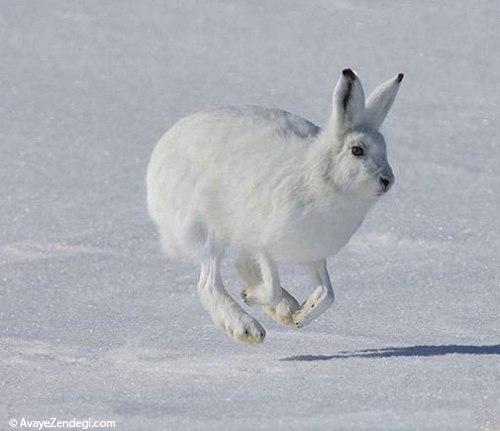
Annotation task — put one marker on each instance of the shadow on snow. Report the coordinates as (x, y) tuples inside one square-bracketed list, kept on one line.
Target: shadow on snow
[(415, 351)]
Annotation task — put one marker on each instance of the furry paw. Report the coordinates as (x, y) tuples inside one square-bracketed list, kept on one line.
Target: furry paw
[(283, 312), (304, 314), (244, 329), (298, 319), (315, 305)]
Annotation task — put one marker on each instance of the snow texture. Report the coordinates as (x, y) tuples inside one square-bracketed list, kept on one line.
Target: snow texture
[(95, 322)]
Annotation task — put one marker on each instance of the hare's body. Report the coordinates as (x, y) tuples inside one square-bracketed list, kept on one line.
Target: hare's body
[(275, 187), (248, 176)]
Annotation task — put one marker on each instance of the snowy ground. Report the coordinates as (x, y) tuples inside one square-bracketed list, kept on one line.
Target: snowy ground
[(95, 323)]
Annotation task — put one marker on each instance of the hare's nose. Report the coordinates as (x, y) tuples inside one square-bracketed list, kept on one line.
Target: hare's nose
[(386, 182)]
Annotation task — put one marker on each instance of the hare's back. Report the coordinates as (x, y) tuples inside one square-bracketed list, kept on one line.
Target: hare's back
[(247, 127), (278, 121), (234, 138)]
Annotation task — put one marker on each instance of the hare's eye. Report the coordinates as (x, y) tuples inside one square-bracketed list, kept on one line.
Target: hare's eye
[(357, 151)]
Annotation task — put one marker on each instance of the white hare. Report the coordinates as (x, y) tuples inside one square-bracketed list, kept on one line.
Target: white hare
[(275, 187)]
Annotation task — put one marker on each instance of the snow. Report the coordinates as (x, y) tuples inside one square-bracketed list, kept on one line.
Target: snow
[(94, 322)]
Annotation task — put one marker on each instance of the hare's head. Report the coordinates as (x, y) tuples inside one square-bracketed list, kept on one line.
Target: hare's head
[(360, 156)]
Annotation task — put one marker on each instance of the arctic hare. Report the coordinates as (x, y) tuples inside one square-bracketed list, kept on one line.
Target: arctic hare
[(275, 187)]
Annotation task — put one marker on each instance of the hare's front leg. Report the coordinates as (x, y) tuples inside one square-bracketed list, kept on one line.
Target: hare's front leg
[(322, 298), (223, 309), (261, 288)]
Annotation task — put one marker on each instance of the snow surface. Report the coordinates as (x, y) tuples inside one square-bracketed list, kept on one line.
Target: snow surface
[(94, 322)]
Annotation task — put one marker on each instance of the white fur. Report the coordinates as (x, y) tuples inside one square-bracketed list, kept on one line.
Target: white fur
[(274, 186)]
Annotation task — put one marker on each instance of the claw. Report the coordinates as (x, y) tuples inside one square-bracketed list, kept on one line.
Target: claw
[(297, 323)]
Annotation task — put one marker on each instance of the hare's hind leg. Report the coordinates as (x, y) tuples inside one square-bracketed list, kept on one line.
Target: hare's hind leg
[(259, 288), (223, 309), (264, 287)]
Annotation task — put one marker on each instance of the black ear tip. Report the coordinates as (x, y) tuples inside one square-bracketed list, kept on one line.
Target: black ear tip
[(400, 77), (348, 73)]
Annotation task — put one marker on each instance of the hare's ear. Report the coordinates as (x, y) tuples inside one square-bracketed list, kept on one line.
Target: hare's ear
[(380, 101), (348, 101)]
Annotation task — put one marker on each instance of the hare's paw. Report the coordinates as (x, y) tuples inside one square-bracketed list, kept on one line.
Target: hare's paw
[(243, 328), (315, 305), (259, 295), (284, 311), (301, 317)]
